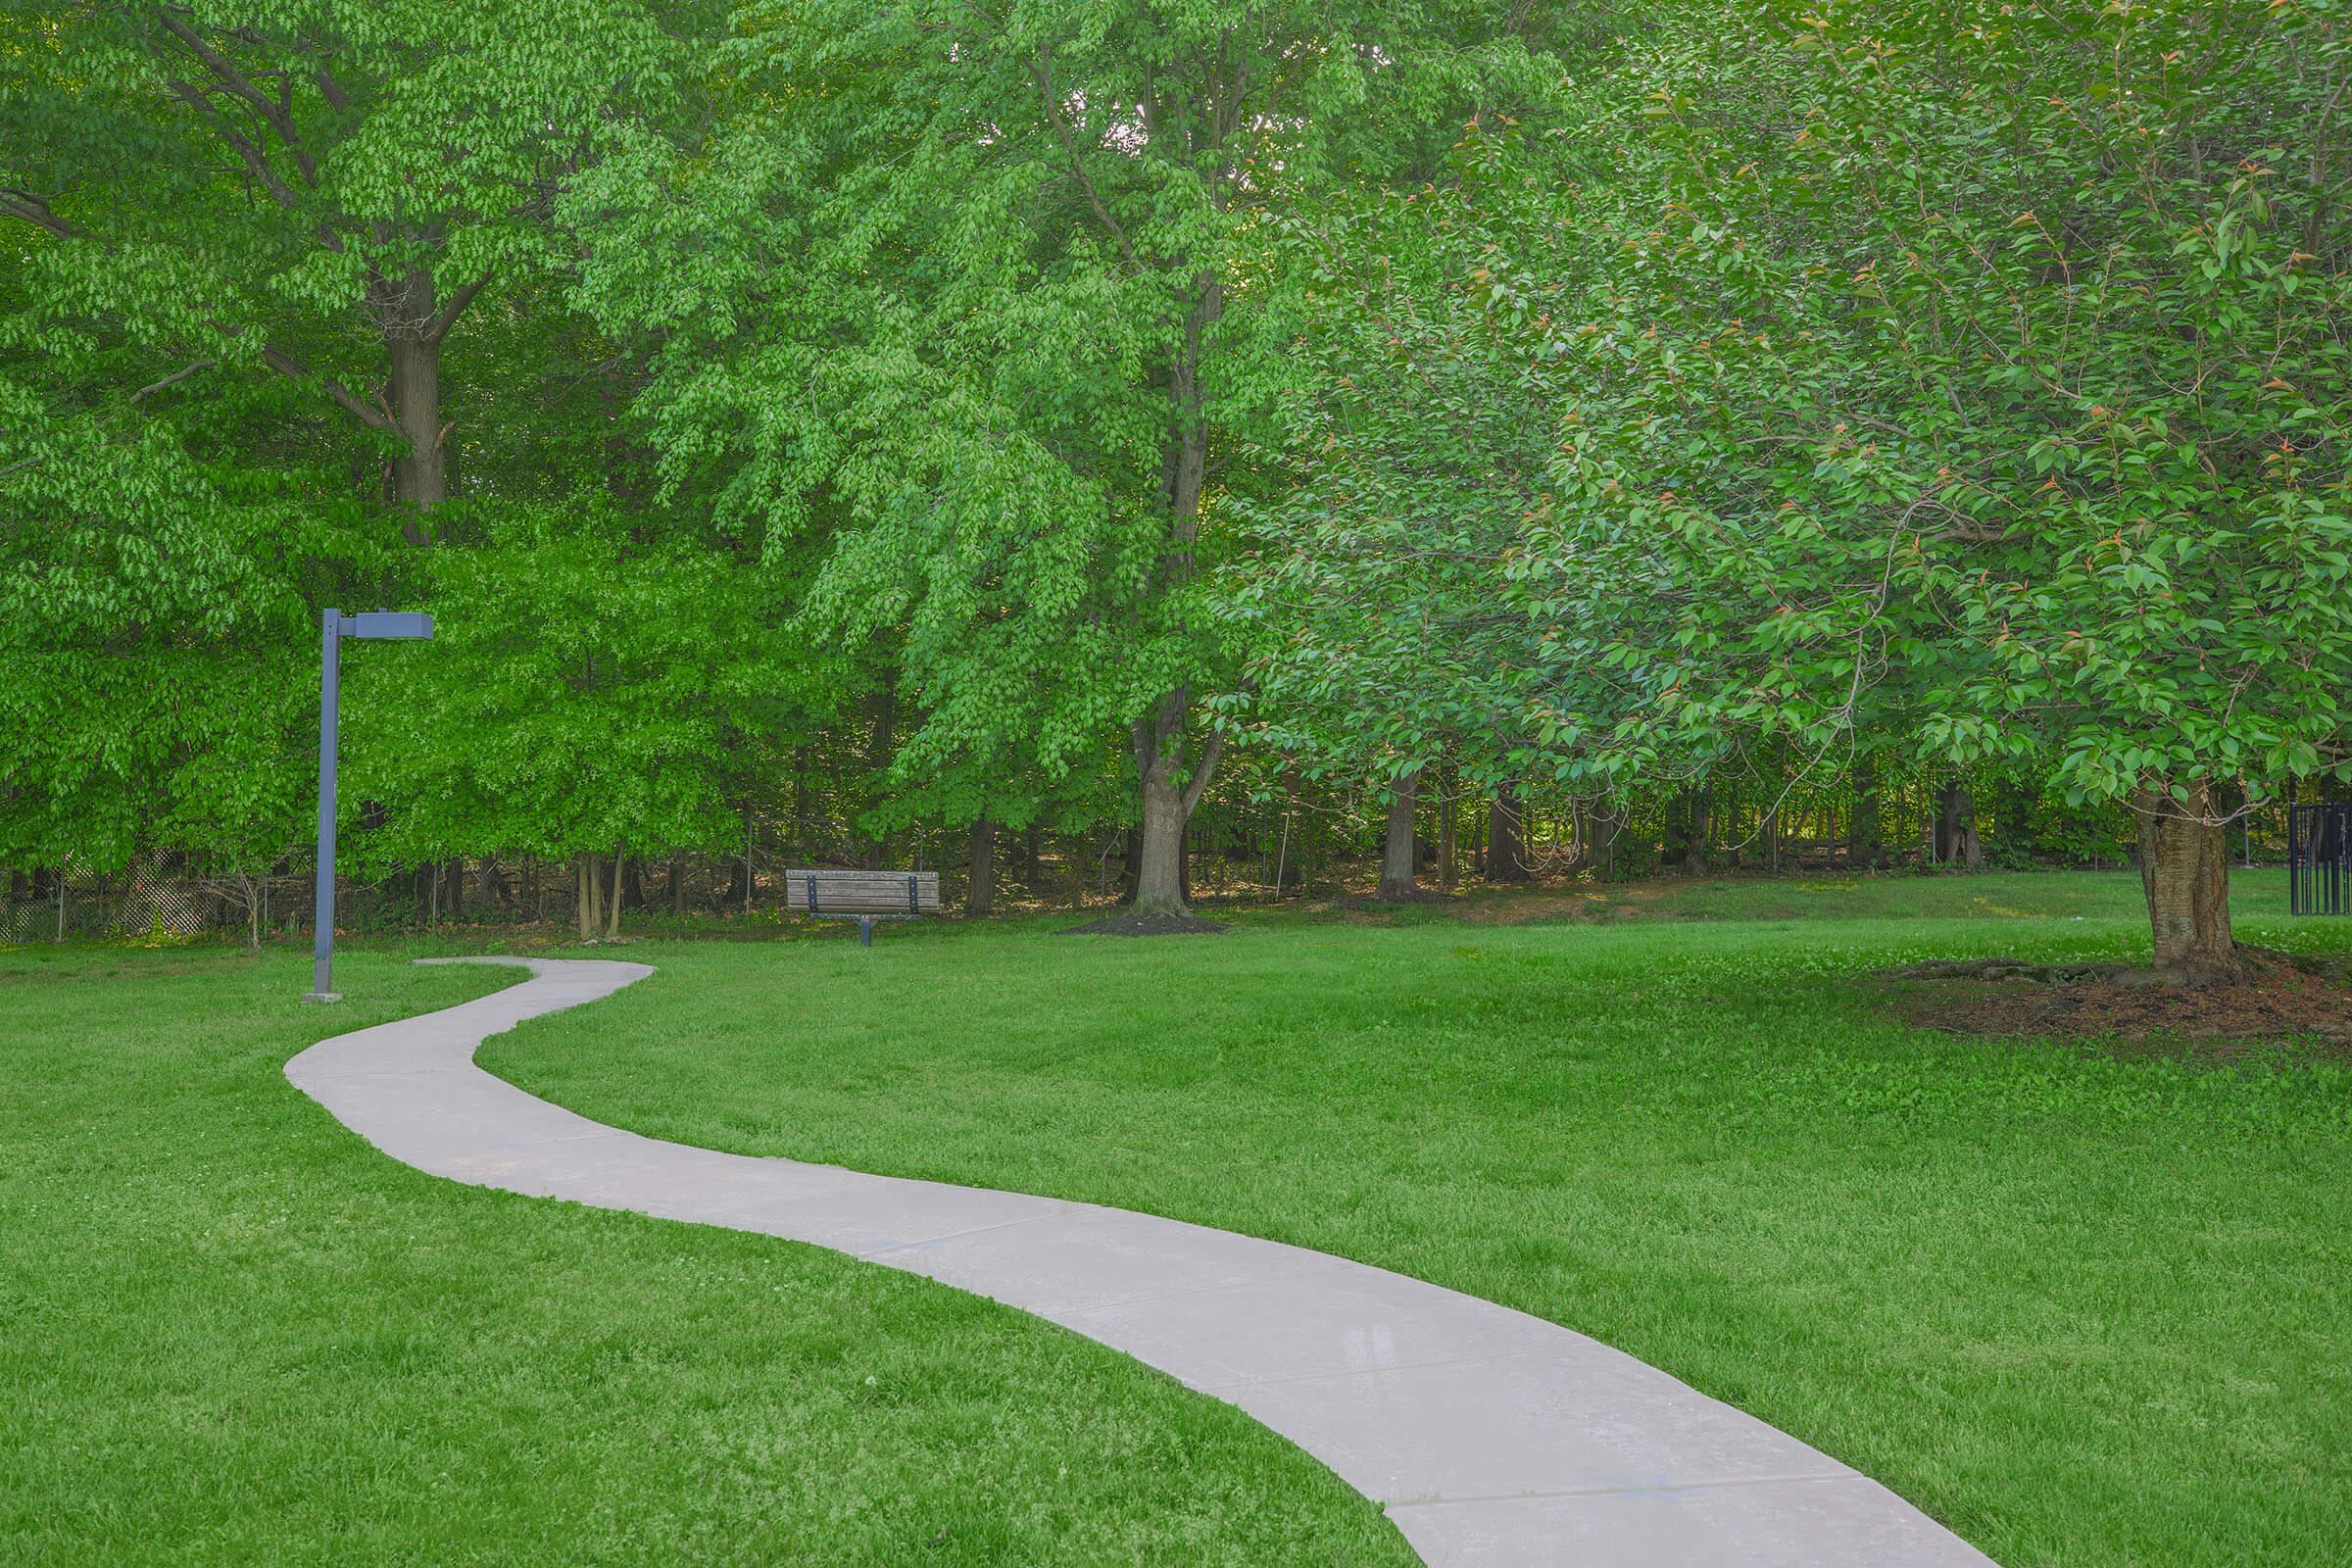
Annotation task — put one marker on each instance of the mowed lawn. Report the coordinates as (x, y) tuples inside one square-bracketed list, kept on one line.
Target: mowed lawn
[(232, 1333), (2088, 1306)]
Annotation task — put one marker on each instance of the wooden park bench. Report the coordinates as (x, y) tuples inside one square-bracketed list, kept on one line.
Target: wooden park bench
[(863, 896)]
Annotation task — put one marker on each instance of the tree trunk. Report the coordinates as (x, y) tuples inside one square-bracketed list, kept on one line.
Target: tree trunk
[(678, 882), (1703, 827), (1448, 849), (420, 474), (2185, 874), (1862, 823), (586, 903), (1159, 849), (1168, 802), (1956, 829), (1507, 859), (1169, 798), (612, 903), (1609, 824), (1397, 849), (980, 887), (414, 321)]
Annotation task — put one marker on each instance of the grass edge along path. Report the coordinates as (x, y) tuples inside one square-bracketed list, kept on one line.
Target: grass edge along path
[(1489, 1436), (232, 1333), (2081, 1306)]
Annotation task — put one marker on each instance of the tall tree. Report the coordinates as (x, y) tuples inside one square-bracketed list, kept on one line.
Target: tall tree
[(317, 189), (237, 242), (953, 291), (2013, 390), (1373, 586)]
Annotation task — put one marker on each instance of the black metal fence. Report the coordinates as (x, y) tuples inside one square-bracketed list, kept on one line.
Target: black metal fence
[(2318, 859)]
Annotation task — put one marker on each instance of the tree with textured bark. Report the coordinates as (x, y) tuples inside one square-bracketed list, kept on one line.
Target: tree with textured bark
[(317, 191), (953, 291), (2010, 400), (1399, 859), (1506, 838), (1955, 828)]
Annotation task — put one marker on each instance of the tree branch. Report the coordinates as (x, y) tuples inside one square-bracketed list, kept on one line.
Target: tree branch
[(1210, 754), (374, 415), (180, 374), (31, 207), (1069, 147), (34, 211), (245, 146), (278, 112), (447, 317)]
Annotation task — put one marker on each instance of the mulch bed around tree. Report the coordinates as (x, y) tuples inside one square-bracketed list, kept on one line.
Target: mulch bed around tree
[(2113, 1000), (1148, 925)]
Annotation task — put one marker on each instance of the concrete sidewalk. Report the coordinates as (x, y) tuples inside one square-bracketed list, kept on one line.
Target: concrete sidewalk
[(1494, 1439)]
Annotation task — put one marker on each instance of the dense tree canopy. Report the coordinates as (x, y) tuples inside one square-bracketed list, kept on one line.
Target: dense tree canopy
[(2008, 393), (929, 419)]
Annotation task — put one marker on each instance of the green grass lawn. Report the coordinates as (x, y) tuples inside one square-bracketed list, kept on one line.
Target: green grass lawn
[(232, 1333), (2090, 1308)]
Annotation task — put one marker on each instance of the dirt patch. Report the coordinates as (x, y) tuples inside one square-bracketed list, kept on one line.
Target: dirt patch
[(1148, 925), (1374, 902), (1542, 906), (2118, 1001)]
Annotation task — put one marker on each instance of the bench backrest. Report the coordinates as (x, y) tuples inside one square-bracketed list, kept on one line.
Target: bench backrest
[(903, 894)]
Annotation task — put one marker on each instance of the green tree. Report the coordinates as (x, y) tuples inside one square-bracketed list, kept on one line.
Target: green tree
[(243, 238), (312, 188), (2007, 391), (951, 291), (587, 699), (1417, 436)]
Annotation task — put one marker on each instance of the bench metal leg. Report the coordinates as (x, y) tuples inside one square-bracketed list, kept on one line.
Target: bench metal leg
[(865, 933)]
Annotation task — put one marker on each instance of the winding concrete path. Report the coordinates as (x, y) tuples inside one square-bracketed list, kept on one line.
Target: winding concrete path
[(1494, 1439)]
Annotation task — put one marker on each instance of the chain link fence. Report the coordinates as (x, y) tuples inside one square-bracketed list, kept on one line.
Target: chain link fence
[(144, 899)]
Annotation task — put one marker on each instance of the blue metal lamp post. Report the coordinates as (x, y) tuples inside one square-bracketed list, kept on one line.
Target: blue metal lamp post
[(334, 626)]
